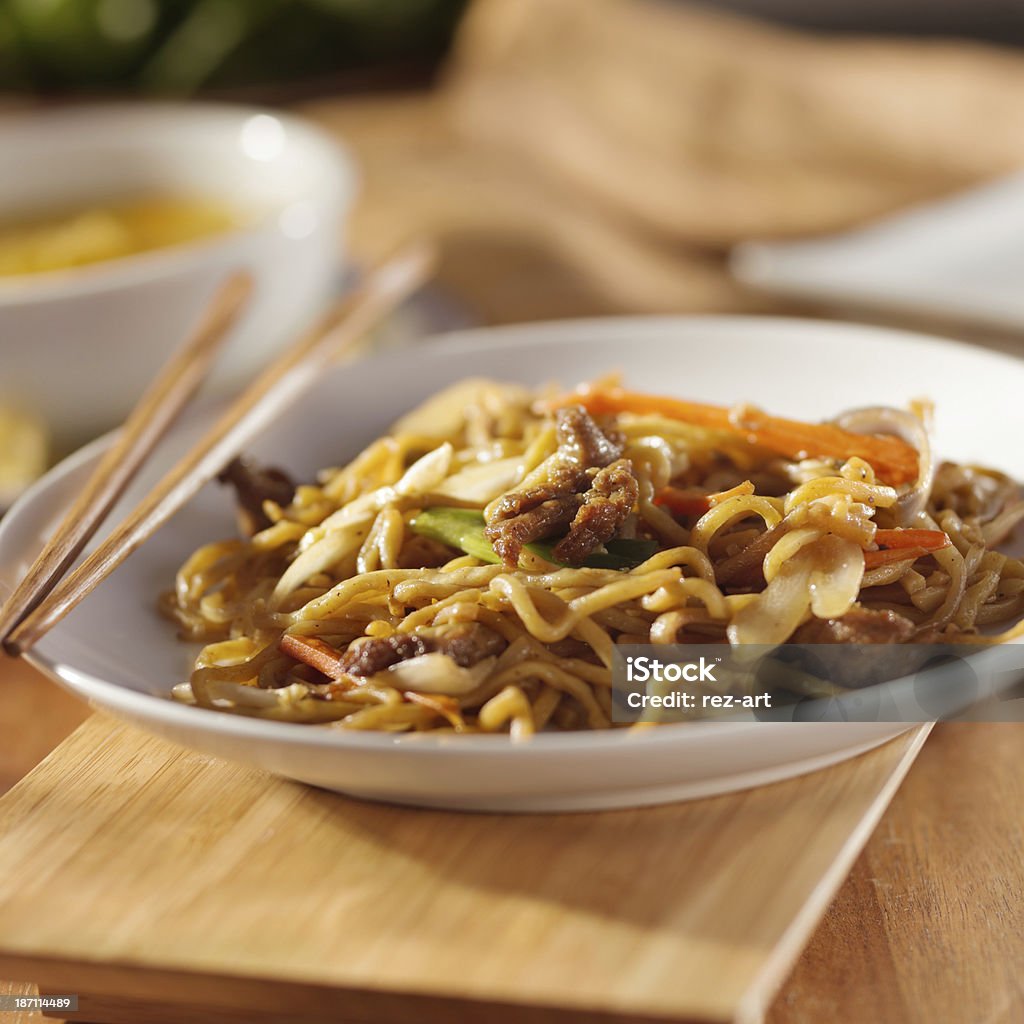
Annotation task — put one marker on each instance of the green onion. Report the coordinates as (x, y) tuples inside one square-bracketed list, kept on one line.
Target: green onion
[(463, 528)]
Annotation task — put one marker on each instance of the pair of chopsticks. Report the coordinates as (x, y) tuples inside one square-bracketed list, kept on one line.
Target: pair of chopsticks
[(46, 594)]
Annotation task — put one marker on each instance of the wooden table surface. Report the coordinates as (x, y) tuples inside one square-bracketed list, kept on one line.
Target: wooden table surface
[(929, 926), (149, 878)]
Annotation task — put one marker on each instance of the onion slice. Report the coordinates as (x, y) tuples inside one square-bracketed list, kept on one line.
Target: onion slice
[(773, 615), (836, 578), (883, 419), (435, 673)]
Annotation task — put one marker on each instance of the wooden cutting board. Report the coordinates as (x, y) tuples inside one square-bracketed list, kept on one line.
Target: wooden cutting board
[(162, 885)]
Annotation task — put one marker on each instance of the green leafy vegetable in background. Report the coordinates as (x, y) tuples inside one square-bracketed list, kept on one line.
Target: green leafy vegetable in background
[(180, 46), (463, 528)]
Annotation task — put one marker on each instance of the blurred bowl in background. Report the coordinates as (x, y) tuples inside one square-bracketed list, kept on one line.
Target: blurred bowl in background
[(78, 345)]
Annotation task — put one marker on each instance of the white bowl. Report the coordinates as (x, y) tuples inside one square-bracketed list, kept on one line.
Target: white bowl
[(116, 652), (78, 346)]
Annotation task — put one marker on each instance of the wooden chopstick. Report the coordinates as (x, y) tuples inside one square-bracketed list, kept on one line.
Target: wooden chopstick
[(156, 410), (293, 372)]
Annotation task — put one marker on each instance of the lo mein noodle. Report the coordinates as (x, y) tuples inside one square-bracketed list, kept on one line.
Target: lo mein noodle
[(474, 569)]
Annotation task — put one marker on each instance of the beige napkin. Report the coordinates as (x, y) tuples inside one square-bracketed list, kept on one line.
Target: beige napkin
[(714, 129), (600, 156)]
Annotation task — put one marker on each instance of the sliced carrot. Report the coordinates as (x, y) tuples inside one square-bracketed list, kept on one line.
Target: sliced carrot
[(901, 545), (893, 459), (682, 503), (929, 540), (694, 503), (314, 652), (875, 559)]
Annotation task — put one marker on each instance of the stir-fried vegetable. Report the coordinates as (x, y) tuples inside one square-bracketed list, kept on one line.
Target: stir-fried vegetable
[(930, 540), (893, 459), (696, 503), (889, 556), (313, 651), (904, 545), (463, 528)]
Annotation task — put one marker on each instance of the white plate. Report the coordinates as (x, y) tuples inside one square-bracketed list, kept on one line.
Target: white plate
[(116, 652), (961, 257)]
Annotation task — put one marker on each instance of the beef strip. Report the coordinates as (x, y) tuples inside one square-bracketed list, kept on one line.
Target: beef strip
[(510, 536), (583, 441), (254, 484), (575, 493), (605, 507), (468, 643), (516, 503), (857, 626), (744, 569), (582, 446), (863, 630), (465, 643), (369, 657)]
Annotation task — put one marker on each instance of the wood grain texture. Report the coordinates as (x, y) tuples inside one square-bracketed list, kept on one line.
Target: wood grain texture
[(20, 988), (930, 924), (126, 864), (35, 715), (872, 958)]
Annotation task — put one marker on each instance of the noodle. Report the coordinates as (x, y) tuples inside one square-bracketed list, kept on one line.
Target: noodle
[(552, 541)]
